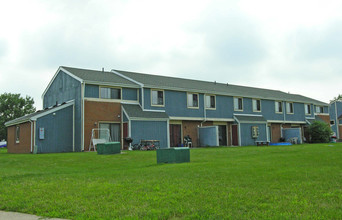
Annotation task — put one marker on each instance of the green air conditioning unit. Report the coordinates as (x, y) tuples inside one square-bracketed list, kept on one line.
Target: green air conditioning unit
[(109, 148), (173, 155)]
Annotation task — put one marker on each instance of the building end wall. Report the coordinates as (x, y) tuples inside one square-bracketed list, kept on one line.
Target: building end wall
[(24, 145)]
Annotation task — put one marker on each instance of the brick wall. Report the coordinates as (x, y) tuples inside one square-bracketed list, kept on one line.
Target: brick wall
[(24, 145), (325, 118), (95, 112)]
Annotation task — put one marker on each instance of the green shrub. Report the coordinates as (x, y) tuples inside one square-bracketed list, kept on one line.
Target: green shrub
[(320, 132)]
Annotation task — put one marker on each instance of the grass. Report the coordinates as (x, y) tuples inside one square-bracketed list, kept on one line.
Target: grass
[(286, 182)]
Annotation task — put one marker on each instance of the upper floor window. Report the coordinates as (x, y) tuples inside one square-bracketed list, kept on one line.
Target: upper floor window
[(289, 108), (256, 105), (157, 97), (210, 101), (238, 104), (110, 93), (307, 109), (278, 106), (17, 134), (193, 100), (319, 109)]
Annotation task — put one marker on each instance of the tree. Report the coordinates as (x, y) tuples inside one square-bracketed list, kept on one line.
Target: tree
[(338, 98), (320, 132), (13, 106)]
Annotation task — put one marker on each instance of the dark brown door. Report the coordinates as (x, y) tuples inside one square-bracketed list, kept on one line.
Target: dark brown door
[(235, 135), (222, 130), (175, 135), (125, 133)]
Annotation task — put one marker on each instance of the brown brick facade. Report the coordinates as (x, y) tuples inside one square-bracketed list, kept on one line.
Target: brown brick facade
[(24, 145), (325, 118), (95, 112)]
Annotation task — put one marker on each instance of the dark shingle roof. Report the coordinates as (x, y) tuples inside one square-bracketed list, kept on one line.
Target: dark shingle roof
[(135, 111), (173, 83), (97, 76)]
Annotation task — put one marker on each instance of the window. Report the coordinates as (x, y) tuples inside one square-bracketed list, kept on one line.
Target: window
[(278, 107), (110, 93), (256, 105), (289, 107), (114, 131), (319, 109), (307, 109), (238, 105), (192, 100), (157, 97), (17, 134), (210, 101), (332, 122)]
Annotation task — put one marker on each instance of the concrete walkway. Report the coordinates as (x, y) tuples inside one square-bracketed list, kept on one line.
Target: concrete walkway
[(21, 216)]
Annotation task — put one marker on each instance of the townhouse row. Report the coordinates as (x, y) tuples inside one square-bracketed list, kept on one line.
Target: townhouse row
[(78, 102)]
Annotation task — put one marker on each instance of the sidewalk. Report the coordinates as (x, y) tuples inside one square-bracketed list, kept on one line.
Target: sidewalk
[(21, 216)]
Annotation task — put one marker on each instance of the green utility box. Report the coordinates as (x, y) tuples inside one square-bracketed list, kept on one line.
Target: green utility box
[(173, 155), (109, 148)]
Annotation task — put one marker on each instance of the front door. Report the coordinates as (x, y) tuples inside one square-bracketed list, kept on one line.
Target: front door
[(222, 130), (235, 135), (175, 135)]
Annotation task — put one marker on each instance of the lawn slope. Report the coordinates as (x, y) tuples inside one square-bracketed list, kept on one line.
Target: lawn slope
[(301, 181)]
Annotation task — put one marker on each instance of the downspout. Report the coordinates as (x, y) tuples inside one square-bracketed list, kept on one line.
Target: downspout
[(204, 112), (31, 135)]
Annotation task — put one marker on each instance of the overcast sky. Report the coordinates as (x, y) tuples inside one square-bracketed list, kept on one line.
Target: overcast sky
[(293, 45)]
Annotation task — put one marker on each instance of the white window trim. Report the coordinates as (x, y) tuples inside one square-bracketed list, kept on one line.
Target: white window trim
[(253, 105), (111, 87), (158, 90), (305, 108), (238, 110), (276, 109), (319, 106), (205, 100), (287, 109), (187, 100)]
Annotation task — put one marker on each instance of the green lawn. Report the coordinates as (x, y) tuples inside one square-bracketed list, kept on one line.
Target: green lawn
[(303, 181)]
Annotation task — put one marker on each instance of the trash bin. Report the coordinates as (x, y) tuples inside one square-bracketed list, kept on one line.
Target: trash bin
[(173, 155), (109, 148)]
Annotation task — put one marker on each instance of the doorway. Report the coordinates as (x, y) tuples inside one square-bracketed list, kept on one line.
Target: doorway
[(175, 135), (222, 132), (235, 135)]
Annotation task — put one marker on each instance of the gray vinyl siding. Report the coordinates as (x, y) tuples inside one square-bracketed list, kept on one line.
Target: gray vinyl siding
[(91, 91), (246, 133), (149, 130), (129, 94), (224, 108), (58, 130), (65, 88), (176, 104), (299, 113)]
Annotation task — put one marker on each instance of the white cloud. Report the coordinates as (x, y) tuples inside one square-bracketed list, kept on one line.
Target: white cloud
[(288, 45)]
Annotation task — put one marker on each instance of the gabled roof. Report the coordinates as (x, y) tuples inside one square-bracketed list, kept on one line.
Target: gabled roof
[(173, 83), (135, 112), (38, 114), (99, 77)]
